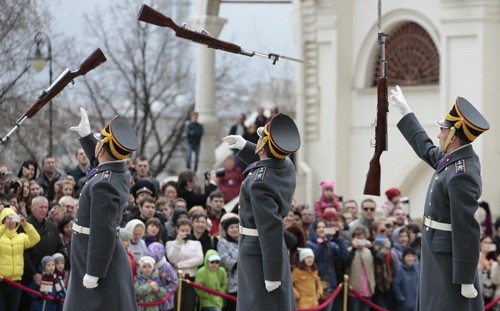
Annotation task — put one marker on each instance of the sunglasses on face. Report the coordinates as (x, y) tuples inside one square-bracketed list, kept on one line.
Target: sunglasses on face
[(371, 209), (215, 262)]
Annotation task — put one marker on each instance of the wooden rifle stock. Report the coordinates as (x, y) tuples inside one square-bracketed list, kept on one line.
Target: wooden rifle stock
[(372, 184), (151, 16), (91, 62), (94, 60)]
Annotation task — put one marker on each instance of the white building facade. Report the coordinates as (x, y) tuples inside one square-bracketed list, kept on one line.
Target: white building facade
[(455, 46), (436, 50)]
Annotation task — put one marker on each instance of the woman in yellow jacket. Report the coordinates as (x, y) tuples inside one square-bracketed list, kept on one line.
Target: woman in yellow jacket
[(12, 246)]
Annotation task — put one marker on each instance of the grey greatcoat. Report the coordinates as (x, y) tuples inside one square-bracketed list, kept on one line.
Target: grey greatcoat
[(101, 253), (265, 198), (448, 259)]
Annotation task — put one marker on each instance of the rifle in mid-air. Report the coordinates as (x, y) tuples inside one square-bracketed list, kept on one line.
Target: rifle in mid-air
[(94, 60), (372, 184), (151, 16)]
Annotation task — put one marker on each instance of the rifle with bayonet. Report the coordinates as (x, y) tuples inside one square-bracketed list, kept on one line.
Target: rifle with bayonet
[(372, 184), (94, 60), (151, 16)]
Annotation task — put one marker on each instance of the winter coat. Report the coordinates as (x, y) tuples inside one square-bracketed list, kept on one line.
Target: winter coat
[(362, 258), (48, 245), (405, 287), (186, 255), (12, 246), (144, 291), (101, 253), (214, 279), (331, 257), (448, 258), (136, 248), (53, 287), (228, 252), (306, 287), (322, 203), (166, 273), (265, 199), (230, 183)]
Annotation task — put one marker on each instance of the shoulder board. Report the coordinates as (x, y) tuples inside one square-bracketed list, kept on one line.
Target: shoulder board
[(460, 166), (106, 175), (261, 174)]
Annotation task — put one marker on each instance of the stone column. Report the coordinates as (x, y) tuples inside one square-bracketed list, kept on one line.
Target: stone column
[(205, 90)]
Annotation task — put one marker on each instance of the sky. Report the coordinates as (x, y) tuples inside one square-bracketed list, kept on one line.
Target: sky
[(259, 27)]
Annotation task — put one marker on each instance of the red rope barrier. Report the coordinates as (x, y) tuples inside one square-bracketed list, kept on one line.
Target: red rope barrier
[(368, 302), (157, 302), (29, 290), (327, 302), (492, 303), (210, 290), (49, 297)]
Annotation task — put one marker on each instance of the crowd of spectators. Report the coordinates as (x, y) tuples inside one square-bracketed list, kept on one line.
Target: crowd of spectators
[(183, 225)]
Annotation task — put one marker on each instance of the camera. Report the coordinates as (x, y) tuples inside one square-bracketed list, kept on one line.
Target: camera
[(379, 240), (362, 242), (218, 173), (405, 200), (330, 231), (5, 204), (15, 218), (14, 185)]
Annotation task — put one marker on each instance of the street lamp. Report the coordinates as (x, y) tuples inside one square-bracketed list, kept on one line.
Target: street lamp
[(39, 60)]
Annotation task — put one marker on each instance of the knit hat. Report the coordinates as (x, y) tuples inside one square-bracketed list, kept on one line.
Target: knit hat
[(124, 235), (146, 260), (330, 214), (392, 192), (304, 253), (230, 221), (46, 260), (326, 184), (58, 257)]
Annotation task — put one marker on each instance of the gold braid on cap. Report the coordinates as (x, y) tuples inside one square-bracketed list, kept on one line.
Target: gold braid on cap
[(264, 139), (110, 139), (275, 150)]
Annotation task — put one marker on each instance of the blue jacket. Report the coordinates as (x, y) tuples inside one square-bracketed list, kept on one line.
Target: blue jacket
[(330, 257), (405, 286)]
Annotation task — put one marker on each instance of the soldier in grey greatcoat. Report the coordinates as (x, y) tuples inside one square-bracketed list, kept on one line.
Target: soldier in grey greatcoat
[(450, 234), (264, 278), (100, 277)]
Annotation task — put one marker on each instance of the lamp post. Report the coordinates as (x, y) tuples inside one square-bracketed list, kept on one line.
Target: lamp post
[(39, 60)]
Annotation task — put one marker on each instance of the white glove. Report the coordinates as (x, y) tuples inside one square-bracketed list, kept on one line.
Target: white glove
[(83, 129), (235, 141), (399, 101), (468, 291), (272, 285), (90, 281)]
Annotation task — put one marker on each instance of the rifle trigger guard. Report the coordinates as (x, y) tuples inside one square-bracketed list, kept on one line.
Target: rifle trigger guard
[(186, 25)]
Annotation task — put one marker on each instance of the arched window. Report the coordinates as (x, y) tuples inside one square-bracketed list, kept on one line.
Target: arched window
[(412, 57)]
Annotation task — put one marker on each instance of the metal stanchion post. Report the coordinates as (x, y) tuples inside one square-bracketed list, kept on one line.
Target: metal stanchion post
[(346, 290), (179, 290)]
